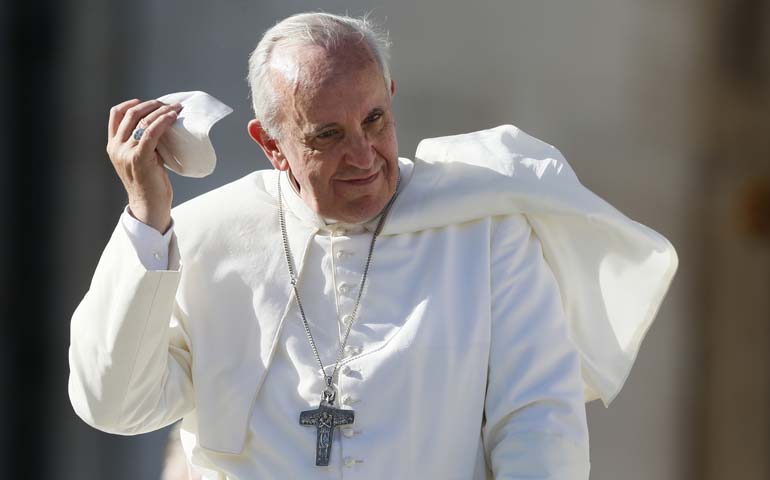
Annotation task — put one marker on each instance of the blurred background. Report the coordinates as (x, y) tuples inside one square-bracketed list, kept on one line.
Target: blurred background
[(661, 107)]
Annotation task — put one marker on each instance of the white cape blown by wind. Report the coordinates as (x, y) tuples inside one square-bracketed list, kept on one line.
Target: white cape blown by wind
[(613, 272)]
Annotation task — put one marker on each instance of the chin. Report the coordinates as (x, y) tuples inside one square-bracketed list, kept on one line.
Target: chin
[(360, 212)]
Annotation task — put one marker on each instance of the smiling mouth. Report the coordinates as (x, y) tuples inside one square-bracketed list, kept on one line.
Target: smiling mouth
[(363, 181)]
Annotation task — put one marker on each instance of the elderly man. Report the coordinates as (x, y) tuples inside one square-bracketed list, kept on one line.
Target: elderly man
[(350, 313)]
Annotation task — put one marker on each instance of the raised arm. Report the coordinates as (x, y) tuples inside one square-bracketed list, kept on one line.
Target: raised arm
[(129, 352)]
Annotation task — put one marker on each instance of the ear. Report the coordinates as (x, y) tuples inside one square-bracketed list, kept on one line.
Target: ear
[(269, 145), (392, 87)]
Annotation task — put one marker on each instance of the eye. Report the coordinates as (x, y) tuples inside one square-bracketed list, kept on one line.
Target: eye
[(374, 117), (327, 133)]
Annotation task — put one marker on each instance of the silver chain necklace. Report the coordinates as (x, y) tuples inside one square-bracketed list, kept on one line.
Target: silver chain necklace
[(326, 417)]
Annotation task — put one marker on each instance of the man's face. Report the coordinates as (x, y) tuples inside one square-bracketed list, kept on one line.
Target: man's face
[(338, 136)]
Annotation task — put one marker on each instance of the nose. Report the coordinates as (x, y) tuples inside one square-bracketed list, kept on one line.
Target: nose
[(360, 152)]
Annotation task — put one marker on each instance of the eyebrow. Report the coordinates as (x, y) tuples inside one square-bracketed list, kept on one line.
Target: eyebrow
[(323, 127)]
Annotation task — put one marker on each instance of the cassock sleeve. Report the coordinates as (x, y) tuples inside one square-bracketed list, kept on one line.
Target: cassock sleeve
[(129, 350), (535, 421)]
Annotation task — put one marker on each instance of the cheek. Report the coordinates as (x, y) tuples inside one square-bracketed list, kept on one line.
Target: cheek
[(317, 170), (386, 142)]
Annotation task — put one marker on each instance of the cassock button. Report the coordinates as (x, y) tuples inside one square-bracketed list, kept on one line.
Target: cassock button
[(156, 255), (347, 319), (343, 288), (350, 350), (346, 370), (349, 461)]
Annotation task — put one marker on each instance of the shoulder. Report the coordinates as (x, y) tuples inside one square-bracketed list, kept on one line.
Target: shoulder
[(229, 208), (233, 199)]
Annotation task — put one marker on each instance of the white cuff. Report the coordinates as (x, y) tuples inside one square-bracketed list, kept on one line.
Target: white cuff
[(151, 246)]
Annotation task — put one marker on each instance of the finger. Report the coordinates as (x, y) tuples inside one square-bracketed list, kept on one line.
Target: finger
[(133, 115), (155, 130), (116, 115), (152, 116)]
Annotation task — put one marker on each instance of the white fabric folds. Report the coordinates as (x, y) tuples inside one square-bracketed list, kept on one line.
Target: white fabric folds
[(613, 272), (185, 148)]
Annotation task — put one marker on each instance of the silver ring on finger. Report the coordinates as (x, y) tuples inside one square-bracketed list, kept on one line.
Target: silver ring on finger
[(138, 133)]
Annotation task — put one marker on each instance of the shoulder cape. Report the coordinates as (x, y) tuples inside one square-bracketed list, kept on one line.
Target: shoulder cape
[(613, 272)]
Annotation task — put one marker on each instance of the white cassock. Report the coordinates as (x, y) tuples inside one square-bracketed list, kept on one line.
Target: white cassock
[(502, 296)]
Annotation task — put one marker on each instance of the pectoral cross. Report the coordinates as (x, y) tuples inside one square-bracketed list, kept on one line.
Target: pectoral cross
[(325, 418)]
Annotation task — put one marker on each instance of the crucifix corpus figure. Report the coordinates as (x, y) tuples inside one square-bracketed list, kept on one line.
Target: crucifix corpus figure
[(325, 418)]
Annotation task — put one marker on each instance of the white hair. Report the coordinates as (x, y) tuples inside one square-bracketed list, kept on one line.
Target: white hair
[(316, 28)]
